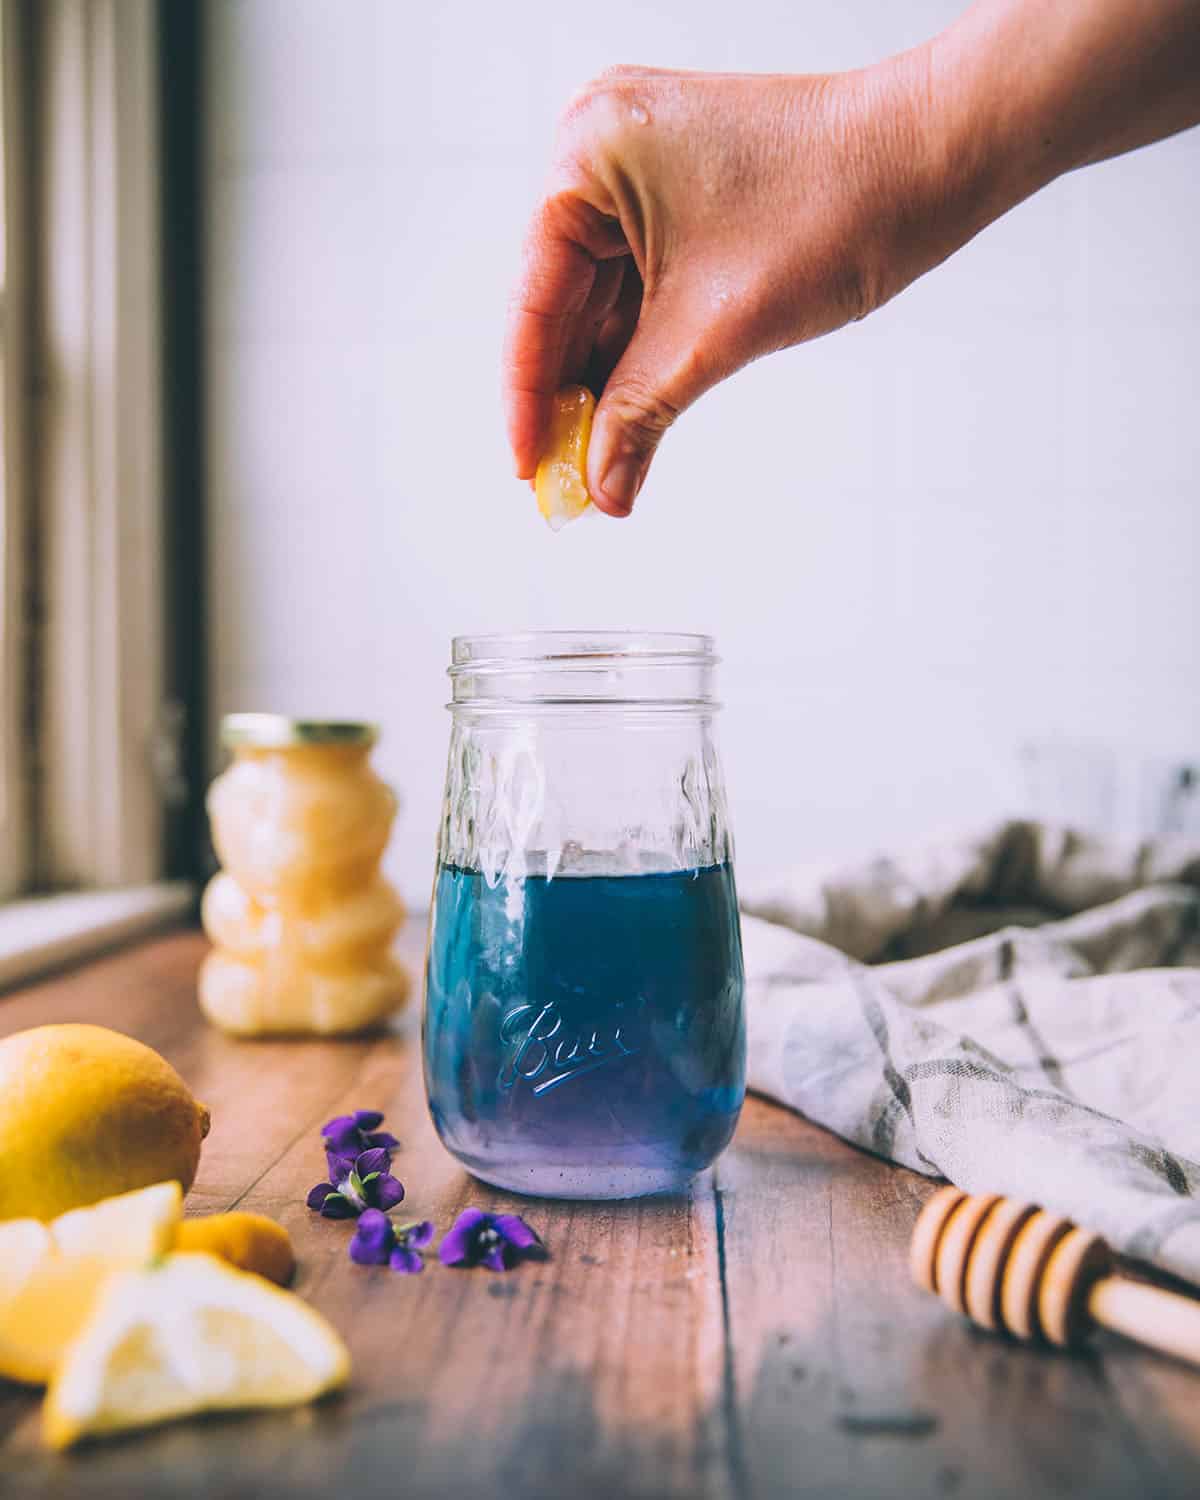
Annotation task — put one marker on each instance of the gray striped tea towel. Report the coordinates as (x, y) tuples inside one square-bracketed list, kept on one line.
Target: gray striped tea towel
[(1018, 1012)]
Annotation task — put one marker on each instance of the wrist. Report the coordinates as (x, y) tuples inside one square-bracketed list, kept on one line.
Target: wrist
[(999, 82), (953, 134)]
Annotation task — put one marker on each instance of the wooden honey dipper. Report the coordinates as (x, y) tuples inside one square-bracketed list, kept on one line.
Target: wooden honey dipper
[(1012, 1266)]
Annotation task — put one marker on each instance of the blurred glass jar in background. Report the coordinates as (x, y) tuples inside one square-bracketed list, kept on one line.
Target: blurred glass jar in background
[(1115, 789), (301, 919), (584, 1032)]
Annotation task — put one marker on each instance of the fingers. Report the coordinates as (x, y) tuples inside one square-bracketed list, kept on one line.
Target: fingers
[(613, 334), (595, 315), (539, 330), (568, 243), (659, 373)]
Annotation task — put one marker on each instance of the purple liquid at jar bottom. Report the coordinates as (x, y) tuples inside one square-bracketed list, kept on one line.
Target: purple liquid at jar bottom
[(584, 1036)]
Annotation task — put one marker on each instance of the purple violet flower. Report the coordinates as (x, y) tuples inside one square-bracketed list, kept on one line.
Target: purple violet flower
[(356, 1183), (497, 1241), (378, 1242), (351, 1135)]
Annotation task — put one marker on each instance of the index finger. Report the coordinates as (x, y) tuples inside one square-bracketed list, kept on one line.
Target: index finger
[(566, 241)]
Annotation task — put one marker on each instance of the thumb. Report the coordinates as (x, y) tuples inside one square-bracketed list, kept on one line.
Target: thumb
[(659, 374)]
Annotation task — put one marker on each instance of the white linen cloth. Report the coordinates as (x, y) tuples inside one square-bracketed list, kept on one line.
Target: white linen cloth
[(1018, 1012)]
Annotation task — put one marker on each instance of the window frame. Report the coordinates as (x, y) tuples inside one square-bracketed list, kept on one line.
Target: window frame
[(16, 854), (99, 480), (90, 740)]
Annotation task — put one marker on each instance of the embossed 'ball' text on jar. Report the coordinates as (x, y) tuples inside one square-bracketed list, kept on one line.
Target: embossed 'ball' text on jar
[(584, 1034)]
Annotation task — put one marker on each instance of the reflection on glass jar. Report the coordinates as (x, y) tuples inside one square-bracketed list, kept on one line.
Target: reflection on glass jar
[(584, 1032)]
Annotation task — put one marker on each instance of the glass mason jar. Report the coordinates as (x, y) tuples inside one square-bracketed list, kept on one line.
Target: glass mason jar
[(584, 1034)]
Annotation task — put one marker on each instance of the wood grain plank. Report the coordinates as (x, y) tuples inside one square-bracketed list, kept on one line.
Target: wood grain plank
[(853, 1382), (1010, 1419), (775, 1187), (1160, 1401), (606, 1361), (756, 1337)]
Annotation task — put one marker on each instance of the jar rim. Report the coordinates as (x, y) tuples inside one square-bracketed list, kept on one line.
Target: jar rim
[(563, 648), (576, 669)]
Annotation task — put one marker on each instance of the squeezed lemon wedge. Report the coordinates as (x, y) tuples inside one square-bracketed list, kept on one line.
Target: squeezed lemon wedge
[(186, 1335), (51, 1274), (561, 482)]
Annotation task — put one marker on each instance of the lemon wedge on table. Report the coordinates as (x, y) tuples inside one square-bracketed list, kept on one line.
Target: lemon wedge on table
[(186, 1335), (252, 1242), (561, 481), (51, 1274)]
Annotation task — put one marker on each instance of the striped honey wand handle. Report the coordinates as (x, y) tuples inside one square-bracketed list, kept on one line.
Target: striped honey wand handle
[(1014, 1267)]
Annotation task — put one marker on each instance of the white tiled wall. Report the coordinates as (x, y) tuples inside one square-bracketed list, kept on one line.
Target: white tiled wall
[(983, 526)]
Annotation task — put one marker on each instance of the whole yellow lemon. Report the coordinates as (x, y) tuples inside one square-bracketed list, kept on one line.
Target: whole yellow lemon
[(86, 1113)]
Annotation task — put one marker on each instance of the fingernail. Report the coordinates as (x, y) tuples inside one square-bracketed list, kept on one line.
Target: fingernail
[(622, 481)]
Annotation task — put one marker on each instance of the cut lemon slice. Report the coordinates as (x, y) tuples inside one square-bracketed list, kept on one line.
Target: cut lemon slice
[(186, 1335), (50, 1274), (131, 1226), (561, 482), (24, 1246)]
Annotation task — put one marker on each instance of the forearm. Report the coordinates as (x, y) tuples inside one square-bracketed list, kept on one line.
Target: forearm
[(1017, 92), (1060, 83), (699, 221)]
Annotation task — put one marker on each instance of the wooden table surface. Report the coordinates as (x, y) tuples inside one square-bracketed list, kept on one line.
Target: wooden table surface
[(757, 1337)]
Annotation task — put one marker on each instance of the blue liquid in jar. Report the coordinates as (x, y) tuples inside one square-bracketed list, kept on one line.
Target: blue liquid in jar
[(584, 1036)]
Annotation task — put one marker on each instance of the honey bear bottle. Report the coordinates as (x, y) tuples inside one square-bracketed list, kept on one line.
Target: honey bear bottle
[(300, 916)]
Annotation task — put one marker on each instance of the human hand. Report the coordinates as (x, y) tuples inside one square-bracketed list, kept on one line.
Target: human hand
[(694, 222)]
